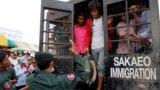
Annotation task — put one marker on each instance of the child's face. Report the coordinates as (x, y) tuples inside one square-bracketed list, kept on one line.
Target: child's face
[(80, 20), (94, 13), (124, 18)]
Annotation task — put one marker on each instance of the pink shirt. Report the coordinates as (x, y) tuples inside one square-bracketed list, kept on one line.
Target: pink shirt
[(79, 38), (123, 45)]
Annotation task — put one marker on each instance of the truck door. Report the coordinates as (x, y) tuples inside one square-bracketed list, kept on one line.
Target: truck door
[(132, 40), (55, 31)]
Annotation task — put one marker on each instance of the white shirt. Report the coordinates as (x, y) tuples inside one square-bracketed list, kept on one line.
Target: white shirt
[(97, 34), (14, 62), (20, 75)]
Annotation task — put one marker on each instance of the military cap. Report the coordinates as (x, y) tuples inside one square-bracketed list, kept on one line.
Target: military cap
[(41, 57)]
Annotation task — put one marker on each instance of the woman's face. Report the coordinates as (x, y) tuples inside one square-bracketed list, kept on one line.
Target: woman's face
[(81, 20), (94, 13)]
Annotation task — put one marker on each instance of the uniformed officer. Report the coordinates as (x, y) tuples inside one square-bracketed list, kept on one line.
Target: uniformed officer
[(46, 79), (7, 74)]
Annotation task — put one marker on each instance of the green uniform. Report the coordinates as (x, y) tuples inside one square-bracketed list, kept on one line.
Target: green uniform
[(50, 81), (5, 76)]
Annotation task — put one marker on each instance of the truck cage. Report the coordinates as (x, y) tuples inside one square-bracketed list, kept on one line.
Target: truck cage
[(56, 28)]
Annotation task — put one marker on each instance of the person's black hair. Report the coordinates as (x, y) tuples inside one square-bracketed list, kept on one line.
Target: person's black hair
[(81, 14), (94, 4), (2, 55), (139, 2), (43, 65), (43, 60)]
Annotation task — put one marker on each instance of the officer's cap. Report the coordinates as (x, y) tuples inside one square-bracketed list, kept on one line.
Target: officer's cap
[(43, 57)]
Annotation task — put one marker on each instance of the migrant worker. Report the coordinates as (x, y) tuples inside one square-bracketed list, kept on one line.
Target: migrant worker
[(143, 35), (95, 39), (80, 33), (125, 32)]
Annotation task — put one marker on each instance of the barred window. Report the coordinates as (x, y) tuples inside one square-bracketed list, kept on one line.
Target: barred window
[(129, 27), (57, 32)]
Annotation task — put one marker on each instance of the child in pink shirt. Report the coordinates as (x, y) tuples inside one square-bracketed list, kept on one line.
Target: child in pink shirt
[(80, 33)]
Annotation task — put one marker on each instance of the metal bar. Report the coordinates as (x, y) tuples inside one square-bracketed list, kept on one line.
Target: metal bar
[(105, 28), (58, 46), (57, 21), (56, 43), (120, 40), (53, 29), (114, 15), (57, 9), (47, 36), (119, 14), (155, 24), (41, 29), (72, 25), (76, 1), (57, 4), (57, 32), (111, 1), (130, 25)]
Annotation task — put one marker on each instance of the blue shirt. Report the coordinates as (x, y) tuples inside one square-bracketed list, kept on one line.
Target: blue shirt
[(20, 75), (145, 30)]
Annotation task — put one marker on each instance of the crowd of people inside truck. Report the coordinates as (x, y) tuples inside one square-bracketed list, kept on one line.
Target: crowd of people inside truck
[(89, 34), (88, 38), (133, 30)]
